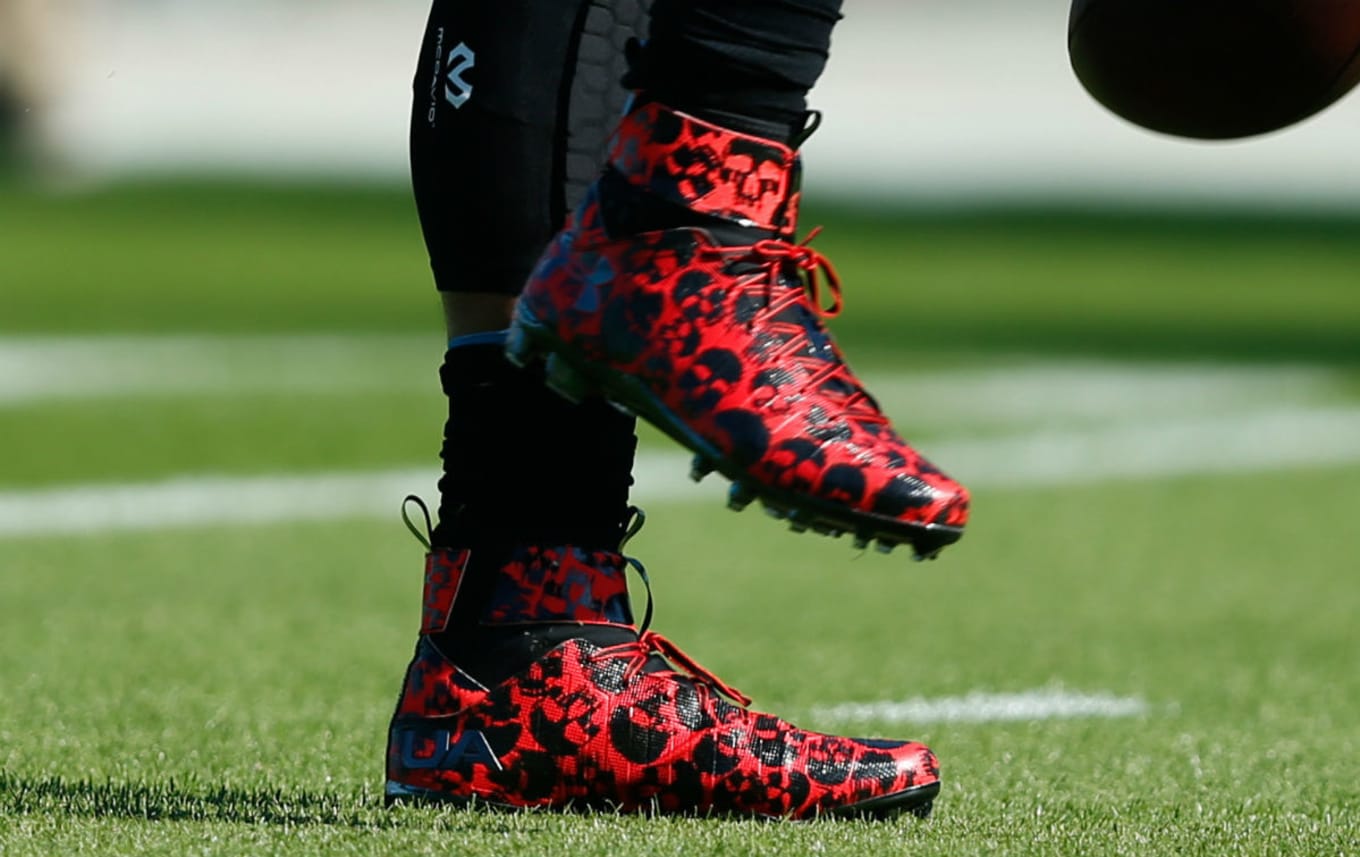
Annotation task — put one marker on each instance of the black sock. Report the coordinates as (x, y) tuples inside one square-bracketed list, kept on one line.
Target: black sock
[(744, 64), (522, 465)]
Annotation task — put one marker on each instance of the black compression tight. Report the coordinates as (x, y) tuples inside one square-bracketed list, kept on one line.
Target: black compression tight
[(514, 100)]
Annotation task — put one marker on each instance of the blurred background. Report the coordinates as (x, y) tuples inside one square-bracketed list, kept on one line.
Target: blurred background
[(928, 100)]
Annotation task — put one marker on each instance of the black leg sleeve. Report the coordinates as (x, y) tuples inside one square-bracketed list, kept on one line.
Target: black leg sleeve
[(513, 102), (753, 59)]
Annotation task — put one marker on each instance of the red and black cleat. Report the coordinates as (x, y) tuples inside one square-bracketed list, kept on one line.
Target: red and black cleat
[(613, 718), (723, 347)]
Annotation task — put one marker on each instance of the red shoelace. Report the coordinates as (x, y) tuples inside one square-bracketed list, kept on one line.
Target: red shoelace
[(821, 360), (651, 643)]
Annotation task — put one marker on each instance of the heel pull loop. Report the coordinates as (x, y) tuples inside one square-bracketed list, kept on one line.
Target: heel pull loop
[(632, 525), (647, 584), (426, 538), (812, 120)]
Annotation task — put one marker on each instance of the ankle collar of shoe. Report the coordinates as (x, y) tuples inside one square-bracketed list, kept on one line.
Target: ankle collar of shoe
[(527, 584), (709, 169)]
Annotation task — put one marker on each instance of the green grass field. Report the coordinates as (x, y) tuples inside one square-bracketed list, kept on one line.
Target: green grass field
[(219, 687)]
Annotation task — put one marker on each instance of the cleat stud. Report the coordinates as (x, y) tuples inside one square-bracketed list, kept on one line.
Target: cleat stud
[(739, 497), (885, 547), (861, 542), (775, 512), (798, 526), (564, 380), (699, 468)]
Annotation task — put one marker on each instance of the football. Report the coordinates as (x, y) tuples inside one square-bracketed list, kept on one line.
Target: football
[(1215, 69)]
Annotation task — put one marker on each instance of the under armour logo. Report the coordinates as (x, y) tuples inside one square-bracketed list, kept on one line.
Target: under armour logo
[(457, 90), (437, 750)]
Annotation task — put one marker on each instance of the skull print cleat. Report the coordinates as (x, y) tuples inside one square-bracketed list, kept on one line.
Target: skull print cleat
[(713, 330), (600, 715)]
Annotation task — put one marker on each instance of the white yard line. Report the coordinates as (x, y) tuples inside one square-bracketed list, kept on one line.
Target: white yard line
[(1226, 419), (1034, 392), (206, 500), (1061, 393), (34, 370), (1262, 440), (1253, 442), (979, 707)]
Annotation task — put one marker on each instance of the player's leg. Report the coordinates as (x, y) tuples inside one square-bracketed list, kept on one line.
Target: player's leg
[(531, 686), (679, 293), (513, 100), (512, 103)]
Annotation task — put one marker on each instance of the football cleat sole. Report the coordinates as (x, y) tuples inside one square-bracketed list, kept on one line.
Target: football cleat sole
[(918, 802)]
